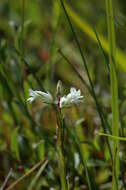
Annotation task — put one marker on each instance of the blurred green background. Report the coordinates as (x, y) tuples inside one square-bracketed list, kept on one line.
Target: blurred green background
[(31, 35)]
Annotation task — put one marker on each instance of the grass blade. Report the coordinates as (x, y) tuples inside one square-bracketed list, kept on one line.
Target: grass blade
[(33, 182), (114, 90), (101, 48), (14, 143), (25, 175), (113, 137), (6, 180)]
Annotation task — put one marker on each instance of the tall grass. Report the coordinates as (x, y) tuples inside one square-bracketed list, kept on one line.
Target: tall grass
[(114, 91), (22, 28), (92, 91), (53, 47), (87, 29), (114, 87), (21, 41)]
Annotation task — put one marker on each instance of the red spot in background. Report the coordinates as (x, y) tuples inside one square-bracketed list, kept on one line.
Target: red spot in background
[(43, 54)]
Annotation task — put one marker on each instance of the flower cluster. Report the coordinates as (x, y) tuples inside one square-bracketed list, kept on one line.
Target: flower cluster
[(74, 97)]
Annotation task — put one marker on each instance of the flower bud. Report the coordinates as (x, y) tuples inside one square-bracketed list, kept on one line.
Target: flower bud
[(59, 88)]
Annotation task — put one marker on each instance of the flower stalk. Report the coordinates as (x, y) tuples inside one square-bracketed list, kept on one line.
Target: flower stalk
[(60, 139)]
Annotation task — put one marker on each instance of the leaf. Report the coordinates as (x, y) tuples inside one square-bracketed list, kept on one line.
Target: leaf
[(113, 137), (41, 150), (14, 143)]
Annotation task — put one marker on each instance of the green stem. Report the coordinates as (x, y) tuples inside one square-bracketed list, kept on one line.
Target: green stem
[(114, 90), (61, 163), (22, 30), (53, 46), (22, 43), (113, 137)]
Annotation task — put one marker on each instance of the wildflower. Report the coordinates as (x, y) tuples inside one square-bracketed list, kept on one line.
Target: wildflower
[(45, 96), (74, 97)]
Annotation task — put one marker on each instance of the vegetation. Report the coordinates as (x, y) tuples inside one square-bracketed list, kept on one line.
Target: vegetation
[(69, 134)]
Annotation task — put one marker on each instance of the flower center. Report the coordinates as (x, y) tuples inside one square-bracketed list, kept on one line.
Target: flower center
[(58, 101)]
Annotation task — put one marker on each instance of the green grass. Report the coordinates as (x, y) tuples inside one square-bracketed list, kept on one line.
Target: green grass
[(114, 91), (86, 28), (80, 147)]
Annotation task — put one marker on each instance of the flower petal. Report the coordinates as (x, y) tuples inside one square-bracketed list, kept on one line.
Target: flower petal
[(74, 97), (46, 97)]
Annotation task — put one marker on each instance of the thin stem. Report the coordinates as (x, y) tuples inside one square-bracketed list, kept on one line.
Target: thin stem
[(75, 69), (22, 43), (6, 180), (25, 175), (61, 163), (22, 30), (114, 90), (113, 137), (52, 49), (102, 50), (35, 179)]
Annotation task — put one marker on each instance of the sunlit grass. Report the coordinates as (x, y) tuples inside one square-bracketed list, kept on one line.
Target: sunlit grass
[(114, 91)]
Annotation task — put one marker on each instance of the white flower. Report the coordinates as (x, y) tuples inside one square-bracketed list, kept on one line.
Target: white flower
[(74, 97), (45, 96)]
